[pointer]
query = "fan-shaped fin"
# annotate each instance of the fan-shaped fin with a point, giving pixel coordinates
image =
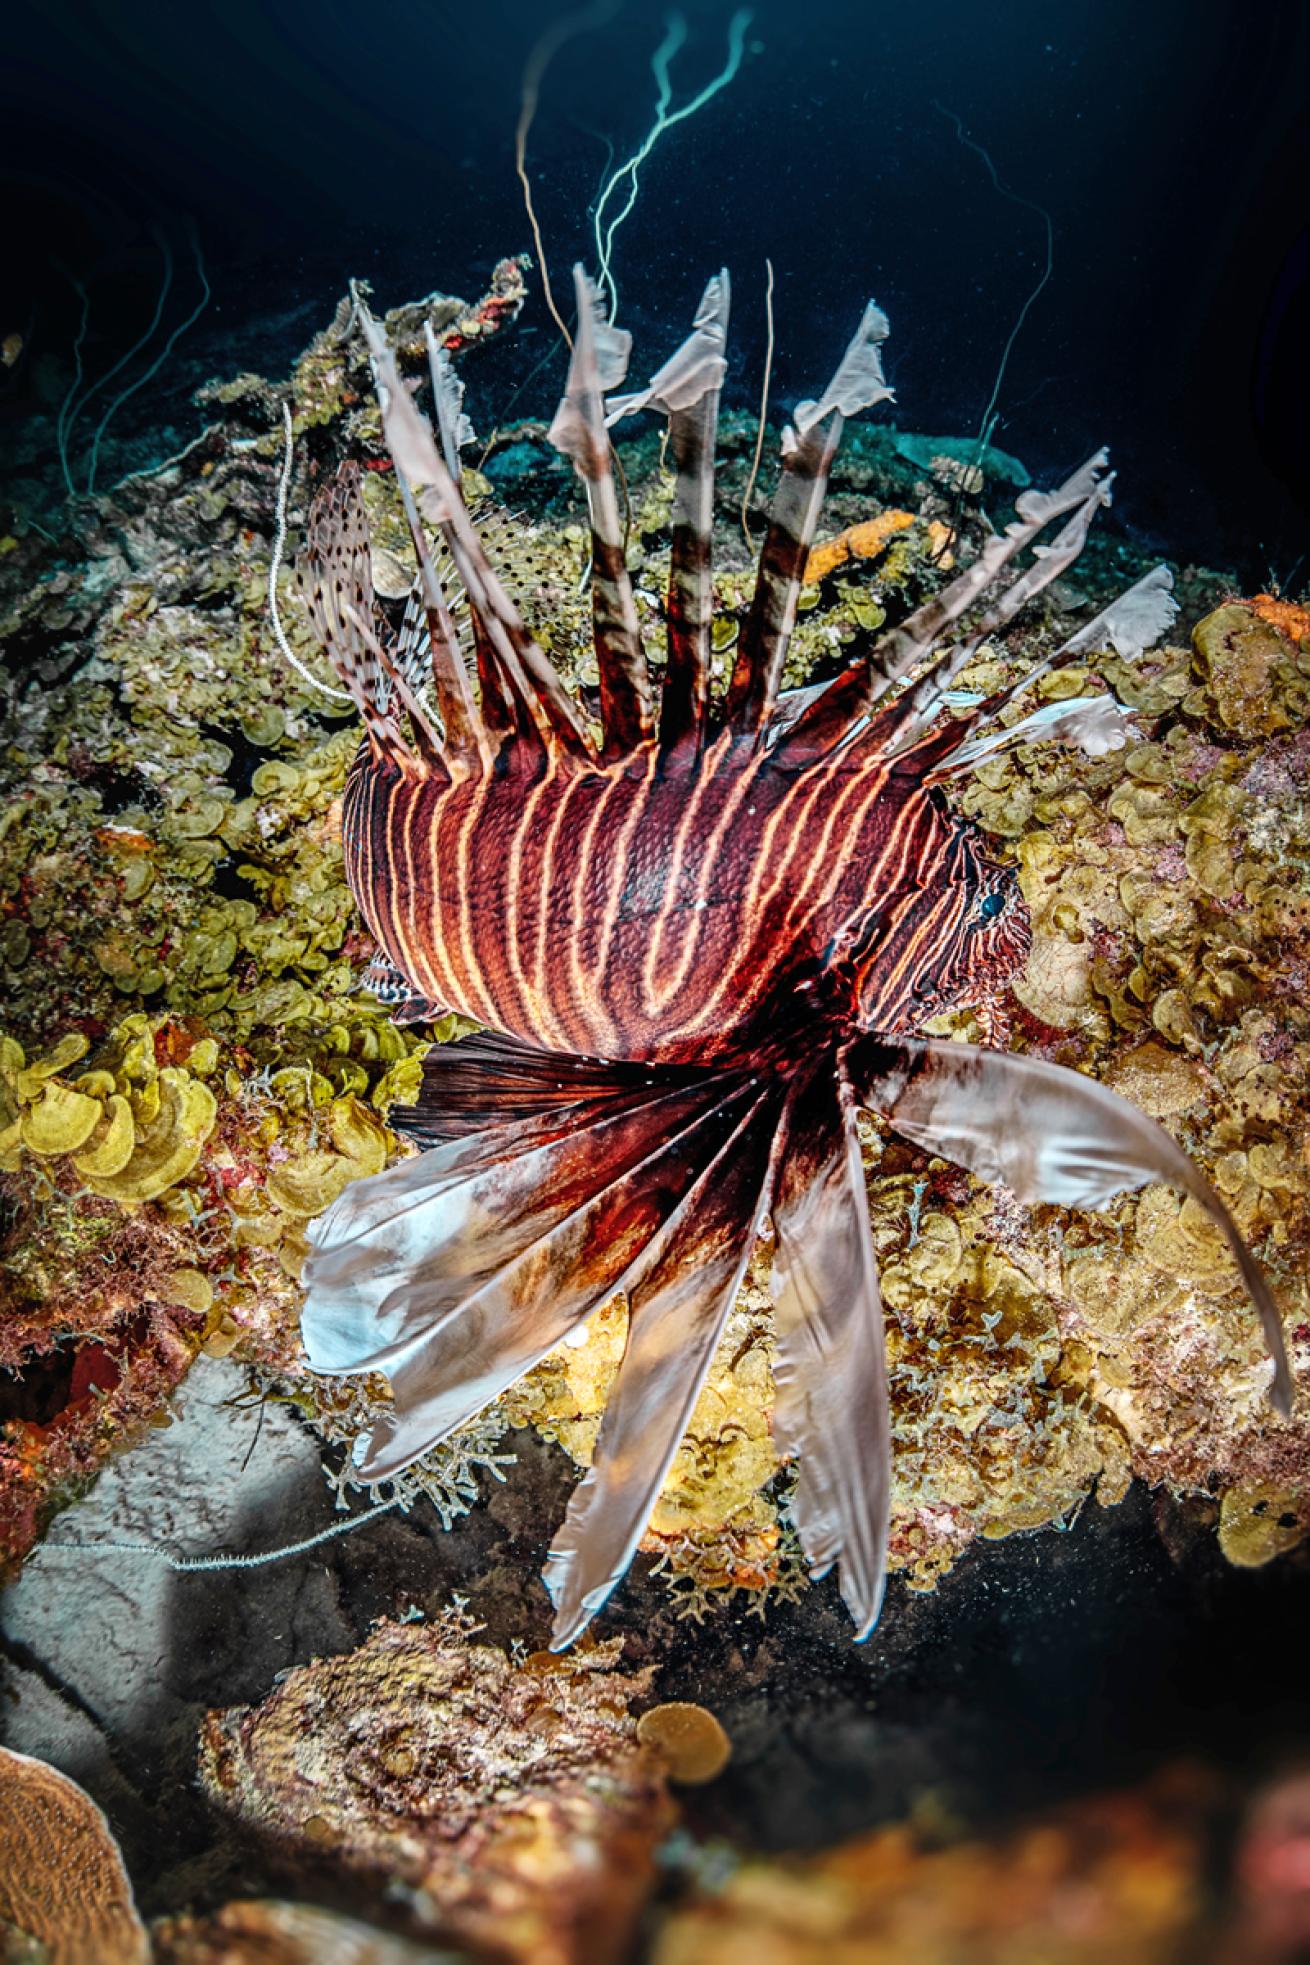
(455, 1272)
(335, 576)
(831, 1410)
(808, 451)
(686, 1282)
(1050, 1135)
(686, 389)
(599, 357)
(489, 1080)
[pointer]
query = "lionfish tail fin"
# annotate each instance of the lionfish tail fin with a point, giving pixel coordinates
(809, 447)
(599, 362)
(680, 1292)
(686, 390)
(831, 1409)
(1050, 1134)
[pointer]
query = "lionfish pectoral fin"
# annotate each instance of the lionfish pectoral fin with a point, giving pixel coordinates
(679, 1295)
(487, 1081)
(1049, 1134)
(831, 1410)
(458, 1270)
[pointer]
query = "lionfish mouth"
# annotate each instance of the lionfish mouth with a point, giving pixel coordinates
(559, 1171)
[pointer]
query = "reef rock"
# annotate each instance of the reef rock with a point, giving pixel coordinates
(509, 1806)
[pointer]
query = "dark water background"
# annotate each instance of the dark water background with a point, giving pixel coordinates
(306, 143)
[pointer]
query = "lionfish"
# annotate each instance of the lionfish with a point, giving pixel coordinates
(698, 936)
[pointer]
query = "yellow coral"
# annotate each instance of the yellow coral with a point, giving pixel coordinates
(864, 541)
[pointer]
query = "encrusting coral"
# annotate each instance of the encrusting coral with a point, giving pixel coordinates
(192, 1071)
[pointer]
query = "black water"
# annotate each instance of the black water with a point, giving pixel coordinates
(303, 144)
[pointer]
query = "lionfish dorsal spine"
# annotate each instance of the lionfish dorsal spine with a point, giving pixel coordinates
(900, 649)
(598, 361)
(422, 474)
(1133, 622)
(687, 391)
(809, 448)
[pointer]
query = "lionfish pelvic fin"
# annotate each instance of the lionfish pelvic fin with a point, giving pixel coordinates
(832, 1412)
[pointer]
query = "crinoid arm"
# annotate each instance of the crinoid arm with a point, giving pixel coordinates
(831, 1412)
(1049, 1134)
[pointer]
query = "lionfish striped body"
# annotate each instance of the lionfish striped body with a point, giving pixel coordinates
(637, 911)
(697, 946)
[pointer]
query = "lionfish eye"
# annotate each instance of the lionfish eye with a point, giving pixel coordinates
(990, 906)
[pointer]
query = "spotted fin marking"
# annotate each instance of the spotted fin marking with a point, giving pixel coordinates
(334, 574)
(397, 994)
(832, 1411)
(598, 363)
(1049, 1134)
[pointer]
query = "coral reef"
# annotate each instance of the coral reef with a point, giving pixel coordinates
(192, 1071)
(508, 1806)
